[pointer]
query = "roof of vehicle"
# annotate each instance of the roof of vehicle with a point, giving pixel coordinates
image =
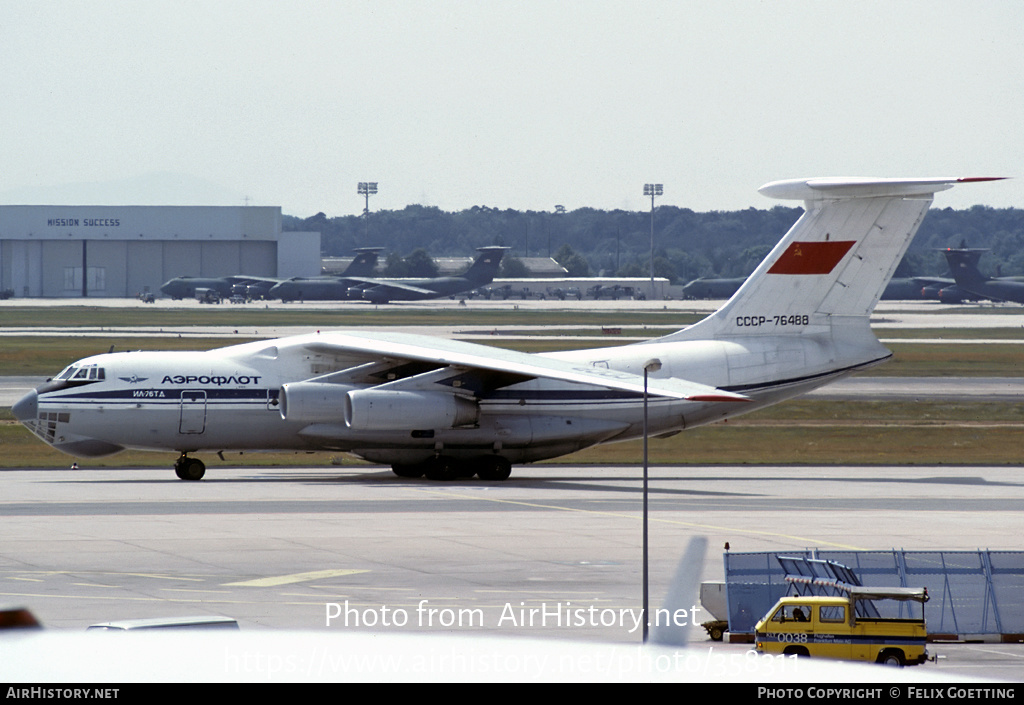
(201, 622)
(817, 599)
(868, 593)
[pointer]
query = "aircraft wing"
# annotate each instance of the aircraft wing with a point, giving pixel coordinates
(471, 356)
(392, 284)
(399, 287)
(244, 279)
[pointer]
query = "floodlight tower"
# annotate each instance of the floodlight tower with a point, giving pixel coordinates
(367, 189)
(652, 190)
(559, 211)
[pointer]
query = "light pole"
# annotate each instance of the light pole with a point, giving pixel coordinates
(652, 190)
(559, 210)
(367, 189)
(652, 365)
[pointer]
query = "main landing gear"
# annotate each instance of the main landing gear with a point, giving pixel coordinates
(187, 468)
(493, 468)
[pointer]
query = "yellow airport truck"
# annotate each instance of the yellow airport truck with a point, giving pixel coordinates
(845, 627)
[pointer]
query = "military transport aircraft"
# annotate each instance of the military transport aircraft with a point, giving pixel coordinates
(381, 291)
(898, 289)
(963, 263)
(185, 287)
(449, 409)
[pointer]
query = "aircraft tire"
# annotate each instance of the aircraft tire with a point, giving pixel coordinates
(493, 468)
(190, 469)
(442, 468)
(411, 471)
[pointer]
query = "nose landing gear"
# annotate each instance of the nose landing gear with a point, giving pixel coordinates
(187, 468)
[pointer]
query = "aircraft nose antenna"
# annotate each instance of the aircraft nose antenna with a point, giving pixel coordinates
(26, 408)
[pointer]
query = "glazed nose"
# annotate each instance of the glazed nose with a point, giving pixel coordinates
(26, 408)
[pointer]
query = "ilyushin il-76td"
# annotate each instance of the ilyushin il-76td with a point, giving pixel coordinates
(448, 409)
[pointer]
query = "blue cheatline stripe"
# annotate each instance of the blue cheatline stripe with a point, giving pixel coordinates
(151, 394)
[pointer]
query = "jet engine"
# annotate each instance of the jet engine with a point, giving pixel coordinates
(385, 410)
(313, 401)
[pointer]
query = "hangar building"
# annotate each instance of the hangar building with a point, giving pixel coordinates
(122, 251)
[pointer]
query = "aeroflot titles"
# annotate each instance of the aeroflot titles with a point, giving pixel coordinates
(87, 222)
(204, 379)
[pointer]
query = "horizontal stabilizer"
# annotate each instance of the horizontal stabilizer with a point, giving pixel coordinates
(860, 187)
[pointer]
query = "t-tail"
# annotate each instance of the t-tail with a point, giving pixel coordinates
(963, 263)
(485, 267)
(803, 317)
(834, 263)
(363, 264)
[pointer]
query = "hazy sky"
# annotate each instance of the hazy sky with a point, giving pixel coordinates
(521, 104)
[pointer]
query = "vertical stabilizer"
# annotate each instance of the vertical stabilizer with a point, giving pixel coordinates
(963, 264)
(363, 264)
(833, 264)
(485, 267)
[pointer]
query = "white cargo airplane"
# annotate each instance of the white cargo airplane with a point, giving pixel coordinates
(448, 409)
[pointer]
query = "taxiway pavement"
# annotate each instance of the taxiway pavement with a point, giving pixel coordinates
(280, 548)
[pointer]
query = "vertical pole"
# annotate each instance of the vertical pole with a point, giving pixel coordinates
(652, 243)
(646, 626)
(366, 218)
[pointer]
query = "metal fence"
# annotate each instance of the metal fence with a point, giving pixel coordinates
(974, 594)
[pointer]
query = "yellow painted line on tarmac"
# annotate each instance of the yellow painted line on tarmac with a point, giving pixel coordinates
(203, 599)
(634, 517)
(23, 575)
(294, 578)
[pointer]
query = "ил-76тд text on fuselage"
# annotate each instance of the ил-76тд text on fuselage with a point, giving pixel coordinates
(447, 409)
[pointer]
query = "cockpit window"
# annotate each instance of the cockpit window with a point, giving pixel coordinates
(90, 373)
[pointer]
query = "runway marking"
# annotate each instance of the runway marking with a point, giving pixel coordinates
(294, 578)
(998, 652)
(157, 576)
(95, 585)
(206, 599)
(755, 532)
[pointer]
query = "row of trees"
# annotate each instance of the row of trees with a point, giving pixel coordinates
(688, 244)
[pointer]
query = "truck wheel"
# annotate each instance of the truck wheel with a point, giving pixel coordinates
(715, 633)
(796, 651)
(891, 658)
